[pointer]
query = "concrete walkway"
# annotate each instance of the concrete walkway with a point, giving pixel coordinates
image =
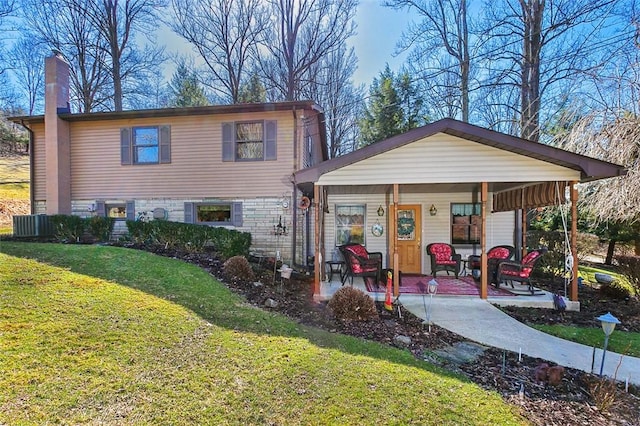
(479, 321)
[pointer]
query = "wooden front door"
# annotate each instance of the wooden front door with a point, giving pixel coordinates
(409, 241)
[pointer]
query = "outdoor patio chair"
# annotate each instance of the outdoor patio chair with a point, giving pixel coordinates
(495, 255)
(361, 263)
(444, 258)
(519, 271)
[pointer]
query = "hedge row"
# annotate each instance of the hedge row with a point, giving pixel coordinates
(194, 238)
(189, 237)
(74, 229)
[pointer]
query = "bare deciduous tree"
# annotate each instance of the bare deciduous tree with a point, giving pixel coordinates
(612, 137)
(64, 26)
(26, 59)
(342, 102)
(119, 22)
(224, 33)
(543, 42)
(441, 52)
(303, 32)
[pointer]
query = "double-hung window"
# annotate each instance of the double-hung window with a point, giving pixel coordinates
(145, 145)
(249, 141)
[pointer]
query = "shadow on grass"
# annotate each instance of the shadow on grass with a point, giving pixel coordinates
(193, 288)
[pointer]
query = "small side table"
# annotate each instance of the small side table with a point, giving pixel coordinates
(335, 266)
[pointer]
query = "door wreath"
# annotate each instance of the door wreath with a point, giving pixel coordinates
(406, 225)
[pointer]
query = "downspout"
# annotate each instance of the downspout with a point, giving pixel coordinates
(294, 192)
(32, 173)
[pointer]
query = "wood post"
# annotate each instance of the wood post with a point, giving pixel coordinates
(484, 291)
(574, 239)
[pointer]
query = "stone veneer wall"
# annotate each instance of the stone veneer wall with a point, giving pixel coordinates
(259, 217)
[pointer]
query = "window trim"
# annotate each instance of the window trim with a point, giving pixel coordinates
(349, 226)
(475, 209)
(128, 146)
(191, 213)
(237, 143)
(230, 143)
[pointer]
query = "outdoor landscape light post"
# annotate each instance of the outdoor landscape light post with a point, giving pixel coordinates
(608, 322)
(432, 289)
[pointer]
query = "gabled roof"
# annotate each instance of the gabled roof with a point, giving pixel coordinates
(589, 168)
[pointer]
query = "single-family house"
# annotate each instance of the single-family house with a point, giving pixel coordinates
(263, 168)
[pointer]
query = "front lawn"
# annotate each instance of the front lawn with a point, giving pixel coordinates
(93, 334)
(625, 343)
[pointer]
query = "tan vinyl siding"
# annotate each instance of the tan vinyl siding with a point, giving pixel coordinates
(196, 168)
(433, 159)
(39, 164)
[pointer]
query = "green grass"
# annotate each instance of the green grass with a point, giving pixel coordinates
(588, 273)
(107, 335)
(14, 191)
(622, 342)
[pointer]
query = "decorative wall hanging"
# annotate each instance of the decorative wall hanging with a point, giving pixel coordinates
(377, 229)
(304, 203)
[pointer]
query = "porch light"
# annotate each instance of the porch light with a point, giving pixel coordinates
(380, 211)
(608, 323)
(432, 210)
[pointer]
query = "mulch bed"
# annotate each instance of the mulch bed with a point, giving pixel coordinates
(569, 403)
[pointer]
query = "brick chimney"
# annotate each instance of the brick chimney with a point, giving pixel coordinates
(56, 134)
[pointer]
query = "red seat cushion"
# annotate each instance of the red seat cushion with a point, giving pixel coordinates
(356, 266)
(442, 253)
(530, 257)
(499, 253)
(359, 251)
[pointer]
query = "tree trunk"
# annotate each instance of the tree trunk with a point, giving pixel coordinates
(532, 11)
(610, 250)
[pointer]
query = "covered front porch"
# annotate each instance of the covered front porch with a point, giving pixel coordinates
(447, 182)
(518, 296)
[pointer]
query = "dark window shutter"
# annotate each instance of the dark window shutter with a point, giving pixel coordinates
(101, 209)
(188, 213)
(165, 144)
(227, 142)
(270, 137)
(125, 146)
(236, 211)
(131, 210)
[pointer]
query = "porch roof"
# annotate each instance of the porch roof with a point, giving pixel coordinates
(587, 168)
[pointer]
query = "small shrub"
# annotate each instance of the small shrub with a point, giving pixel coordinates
(349, 303)
(603, 391)
(616, 290)
(100, 228)
(238, 268)
(630, 267)
(586, 245)
(68, 228)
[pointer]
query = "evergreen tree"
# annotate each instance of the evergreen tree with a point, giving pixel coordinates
(253, 91)
(185, 88)
(394, 107)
